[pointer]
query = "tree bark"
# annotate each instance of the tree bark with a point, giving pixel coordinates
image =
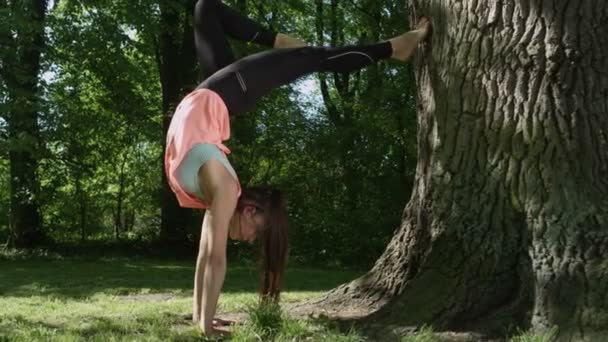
(119, 225)
(176, 62)
(80, 194)
(20, 67)
(507, 225)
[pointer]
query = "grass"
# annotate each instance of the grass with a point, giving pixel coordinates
(49, 298)
(546, 336)
(425, 334)
(268, 323)
(46, 298)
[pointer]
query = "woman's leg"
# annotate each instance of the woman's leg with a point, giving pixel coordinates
(214, 22)
(243, 82)
(240, 27)
(212, 48)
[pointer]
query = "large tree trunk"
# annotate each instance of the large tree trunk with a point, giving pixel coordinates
(20, 66)
(508, 221)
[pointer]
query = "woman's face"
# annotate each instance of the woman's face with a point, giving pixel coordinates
(251, 222)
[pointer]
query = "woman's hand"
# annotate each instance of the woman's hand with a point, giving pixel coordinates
(216, 331)
(222, 331)
(218, 322)
(224, 190)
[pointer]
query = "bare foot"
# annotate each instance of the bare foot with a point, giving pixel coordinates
(405, 44)
(285, 41)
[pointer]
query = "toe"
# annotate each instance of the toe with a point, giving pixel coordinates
(423, 21)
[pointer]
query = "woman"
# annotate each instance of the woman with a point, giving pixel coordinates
(195, 161)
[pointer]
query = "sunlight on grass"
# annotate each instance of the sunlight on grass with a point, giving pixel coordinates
(129, 300)
(70, 299)
(268, 323)
(529, 336)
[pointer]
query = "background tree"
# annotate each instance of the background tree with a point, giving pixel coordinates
(103, 118)
(371, 117)
(23, 40)
(176, 60)
(507, 222)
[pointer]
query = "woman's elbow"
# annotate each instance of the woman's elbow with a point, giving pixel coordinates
(216, 258)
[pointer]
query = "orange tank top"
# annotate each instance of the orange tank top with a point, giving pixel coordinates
(201, 117)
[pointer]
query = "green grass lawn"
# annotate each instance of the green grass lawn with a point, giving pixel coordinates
(139, 299)
(123, 299)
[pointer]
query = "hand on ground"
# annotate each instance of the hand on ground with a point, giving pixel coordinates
(222, 331)
(216, 332)
(218, 322)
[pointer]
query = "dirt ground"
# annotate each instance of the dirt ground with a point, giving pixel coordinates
(344, 316)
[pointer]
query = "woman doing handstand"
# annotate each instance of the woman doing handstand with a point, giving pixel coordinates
(195, 160)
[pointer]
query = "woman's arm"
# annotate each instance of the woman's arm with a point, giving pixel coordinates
(197, 297)
(223, 190)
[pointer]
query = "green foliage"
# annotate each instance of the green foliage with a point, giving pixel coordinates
(103, 129)
(346, 161)
(4, 198)
(12, 254)
(346, 182)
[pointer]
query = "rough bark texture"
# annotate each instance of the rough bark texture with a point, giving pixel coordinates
(508, 221)
(20, 68)
(176, 61)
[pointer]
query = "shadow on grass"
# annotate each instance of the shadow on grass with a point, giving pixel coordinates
(369, 328)
(78, 278)
(19, 328)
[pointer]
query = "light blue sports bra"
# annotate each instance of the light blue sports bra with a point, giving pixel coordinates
(197, 156)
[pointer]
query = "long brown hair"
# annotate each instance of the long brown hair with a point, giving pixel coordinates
(274, 240)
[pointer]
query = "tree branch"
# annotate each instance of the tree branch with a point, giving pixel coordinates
(362, 10)
(261, 13)
(6, 40)
(331, 108)
(188, 51)
(337, 39)
(2, 70)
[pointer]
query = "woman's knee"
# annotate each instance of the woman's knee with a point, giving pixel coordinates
(203, 6)
(311, 50)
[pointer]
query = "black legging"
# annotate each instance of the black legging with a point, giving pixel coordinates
(241, 83)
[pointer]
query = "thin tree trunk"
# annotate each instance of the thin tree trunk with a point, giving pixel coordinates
(507, 225)
(82, 206)
(118, 216)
